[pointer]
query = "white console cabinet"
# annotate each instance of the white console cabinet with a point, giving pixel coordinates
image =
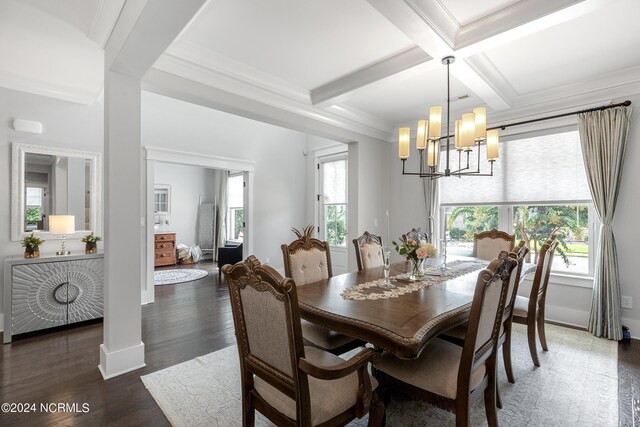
(51, 291)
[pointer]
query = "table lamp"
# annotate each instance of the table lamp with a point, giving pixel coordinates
(63, 225)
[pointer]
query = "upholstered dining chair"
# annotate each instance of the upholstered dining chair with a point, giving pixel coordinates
(457, 334)
(308, 260)
(488, 244)
(452, 377)
(530, 311)
(290, 384)
(368, 251)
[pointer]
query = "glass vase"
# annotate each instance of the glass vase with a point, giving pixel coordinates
(416, 269)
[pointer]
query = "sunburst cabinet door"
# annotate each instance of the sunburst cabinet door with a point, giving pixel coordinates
(49, 294)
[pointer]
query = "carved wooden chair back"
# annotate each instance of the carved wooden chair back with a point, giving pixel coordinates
(368, 251)
(518, 253)
(541, 277)
(488, 244)
(280, 377)
(267, 322)
(485, 319)
(306, 259)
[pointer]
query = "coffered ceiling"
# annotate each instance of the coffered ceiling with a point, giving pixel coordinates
(372, 65)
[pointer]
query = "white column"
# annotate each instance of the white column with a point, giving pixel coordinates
(123, 349)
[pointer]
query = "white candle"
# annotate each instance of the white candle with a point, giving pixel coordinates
(388, 242)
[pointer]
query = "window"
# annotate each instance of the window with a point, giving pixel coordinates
(34, 207)
(334, 201)
(463, 222)
(539, 188)
(162, 204)
(235, 212)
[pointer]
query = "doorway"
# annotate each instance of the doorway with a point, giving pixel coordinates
(333, 208)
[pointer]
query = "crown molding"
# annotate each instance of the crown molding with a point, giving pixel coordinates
(228, 70)
(523, 16)
(65, 93)
(203, 88)
(104, 21)
(484, 67)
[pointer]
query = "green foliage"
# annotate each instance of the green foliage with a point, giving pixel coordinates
(535, 224)
(238, 220)
(456, 233)
(32, 241)
(475, 220)
(336, 224)
(32, 215)
(91, 238)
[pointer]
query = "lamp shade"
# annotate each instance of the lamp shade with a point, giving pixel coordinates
(456, 135)
(62, 224)
(421, 135)
(492, 144)
(435, 122)
(404, 138)
(432, 153)
(467, 131)
(481, 123)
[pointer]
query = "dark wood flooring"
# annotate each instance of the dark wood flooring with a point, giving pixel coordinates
(187, 320)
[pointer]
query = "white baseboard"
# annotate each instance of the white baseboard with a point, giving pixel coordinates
(122, 361)
(566, 316)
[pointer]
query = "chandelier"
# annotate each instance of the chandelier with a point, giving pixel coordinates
(469, 132)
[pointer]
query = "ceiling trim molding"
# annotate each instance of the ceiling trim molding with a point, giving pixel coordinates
(197, 159)
(378, 71)
(104, 21)
(513, 16)
(48, 89)
(231, 70)
(360, 116)
(486, 69)
(211, 91)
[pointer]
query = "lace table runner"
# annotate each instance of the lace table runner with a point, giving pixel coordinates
(403, 285)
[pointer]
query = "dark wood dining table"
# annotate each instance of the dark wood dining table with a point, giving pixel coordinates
(403, 324)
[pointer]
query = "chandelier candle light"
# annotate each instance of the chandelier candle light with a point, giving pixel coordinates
(469, 132)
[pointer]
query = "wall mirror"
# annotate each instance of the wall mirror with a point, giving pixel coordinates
(54, 181)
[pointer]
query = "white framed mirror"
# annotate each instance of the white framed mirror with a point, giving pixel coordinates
(54, 181)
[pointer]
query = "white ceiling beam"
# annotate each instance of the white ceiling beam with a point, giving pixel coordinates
(263, 107)
(327, 94)
(421, 27)
(144, 30)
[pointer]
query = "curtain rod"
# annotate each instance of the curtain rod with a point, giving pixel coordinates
(557, 116)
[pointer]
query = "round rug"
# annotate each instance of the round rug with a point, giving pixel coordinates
(171, 277)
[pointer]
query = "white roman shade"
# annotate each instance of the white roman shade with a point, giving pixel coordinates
(546, 168)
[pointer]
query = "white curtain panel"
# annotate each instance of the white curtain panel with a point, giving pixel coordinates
(603, 137)
(431, 200)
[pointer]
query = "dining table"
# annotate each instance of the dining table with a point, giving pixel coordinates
(401, 319)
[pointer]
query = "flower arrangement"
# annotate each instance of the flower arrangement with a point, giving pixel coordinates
(32, 241)
(90, 238)
(414, 247)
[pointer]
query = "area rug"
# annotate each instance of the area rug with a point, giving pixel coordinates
(577, 385)
(171, 277)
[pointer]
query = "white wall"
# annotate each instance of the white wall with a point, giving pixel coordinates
(280, 165)
(65, 124)
(188, 185)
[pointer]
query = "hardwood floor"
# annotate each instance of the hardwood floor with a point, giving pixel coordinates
(187, 320)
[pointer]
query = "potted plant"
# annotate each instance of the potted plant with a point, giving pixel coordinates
(91, 243)
(32, 246)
